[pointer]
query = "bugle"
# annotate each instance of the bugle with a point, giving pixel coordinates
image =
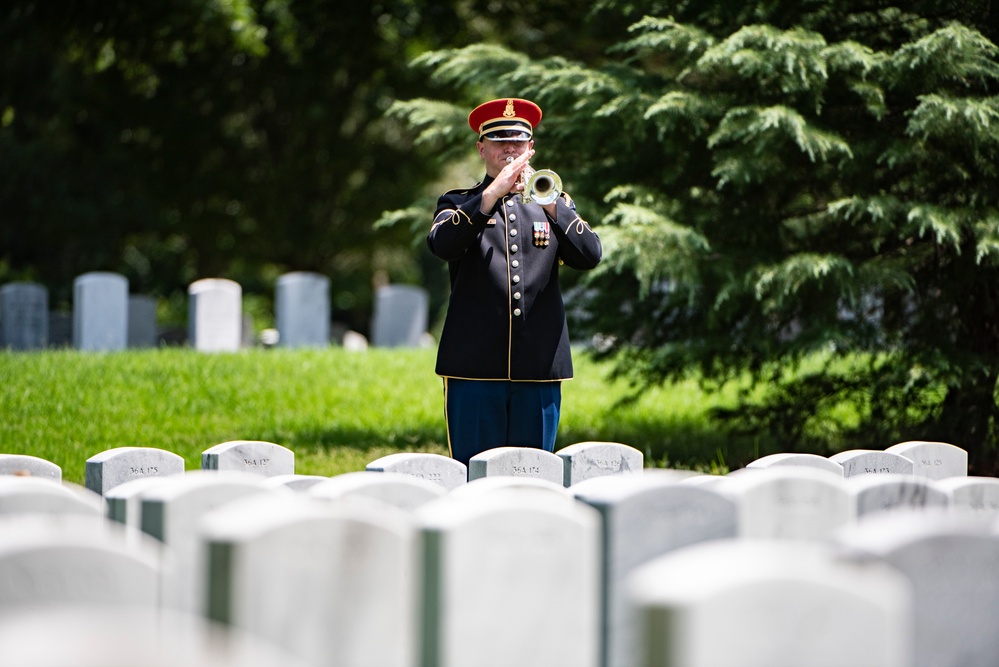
(542, 186)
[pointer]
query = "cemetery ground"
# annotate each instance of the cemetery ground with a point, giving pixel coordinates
(337, 410)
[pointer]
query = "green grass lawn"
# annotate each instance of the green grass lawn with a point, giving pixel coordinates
(337, 410)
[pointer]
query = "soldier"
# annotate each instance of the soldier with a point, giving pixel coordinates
(504, 349)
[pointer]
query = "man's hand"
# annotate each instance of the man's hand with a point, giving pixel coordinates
(506, 182)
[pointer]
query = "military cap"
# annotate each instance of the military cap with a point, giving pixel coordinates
(507, 119)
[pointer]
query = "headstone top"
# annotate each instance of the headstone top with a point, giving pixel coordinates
(443, 470)
(26, 465)
(396, 489)
(254, 456)
(118, 465)
(483, 485)
(518, 462)
(936, 460)
(973, 493)
(797, 459)
(872, 462)
(294, 481)
(585, 460)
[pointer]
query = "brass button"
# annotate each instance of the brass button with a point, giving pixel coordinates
(516, 295)
(516, 311)
(516, 279)
(515, 263)
(513, 248)
(513, 217)
(513, 232)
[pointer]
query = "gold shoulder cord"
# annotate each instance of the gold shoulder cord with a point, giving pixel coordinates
(452, 214)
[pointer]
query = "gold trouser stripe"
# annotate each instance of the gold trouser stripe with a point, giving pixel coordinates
(447, 425)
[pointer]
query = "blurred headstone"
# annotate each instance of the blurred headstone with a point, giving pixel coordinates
(24, 316)
(142, 331)
(400, 316)
(302, 309)
(100, 311)
(215, 315)
(443, 470)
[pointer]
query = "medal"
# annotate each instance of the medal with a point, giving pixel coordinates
(542, 234)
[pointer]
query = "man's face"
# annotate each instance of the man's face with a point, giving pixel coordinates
(495, 153)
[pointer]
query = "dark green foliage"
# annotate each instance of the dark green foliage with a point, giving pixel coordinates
(189, 139)
(782, 182)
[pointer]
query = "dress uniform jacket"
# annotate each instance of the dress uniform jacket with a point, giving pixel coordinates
(505, 318)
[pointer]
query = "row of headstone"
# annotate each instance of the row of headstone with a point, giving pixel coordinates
(626, 567)
(567, 467)
(620, 569)
(105, 317)
(114, 467)
(932, 460)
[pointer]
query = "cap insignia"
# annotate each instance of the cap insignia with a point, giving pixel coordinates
(509, 112)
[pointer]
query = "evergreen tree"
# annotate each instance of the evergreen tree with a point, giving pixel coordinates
(802, 193)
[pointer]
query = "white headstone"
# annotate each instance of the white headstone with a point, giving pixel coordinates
(124, 502)
(872, 462)
(645, 517)
(585, 460)
(936, 460)
(142, 331)
(511, 578)
(215, 315)
(795, 459)
(400, 316)
(401, 491)
(517, 462)
(51, 561)
(302, 309)
(707, 481)
(790, 502)
(33, 466)
(443, 470)
(100, 311)
(950, 560)
(171, 512)
(116, 636)
(116, 466)
(764, 603)
(255, 456)
(37, 495)
(506, 483)
(886, 492)
(24, 316)
(333, 583)
(294, 482)
(973, 493)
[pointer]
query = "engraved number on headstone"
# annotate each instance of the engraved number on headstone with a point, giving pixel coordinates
(256, 462)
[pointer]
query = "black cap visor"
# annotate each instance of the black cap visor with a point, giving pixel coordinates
(507, 135)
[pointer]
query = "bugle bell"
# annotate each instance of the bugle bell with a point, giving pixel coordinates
(542, 186)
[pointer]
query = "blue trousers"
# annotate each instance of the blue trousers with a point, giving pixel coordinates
(485, 414)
